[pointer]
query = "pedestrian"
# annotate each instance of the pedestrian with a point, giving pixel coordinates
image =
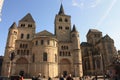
(61, 77)
(39, 76)
(69, 77)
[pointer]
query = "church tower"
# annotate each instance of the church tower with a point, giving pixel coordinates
(62, 25)
(26, 28)
(10, 47)
(77, 57)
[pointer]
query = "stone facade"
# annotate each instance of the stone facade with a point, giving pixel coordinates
(97, 53)
(43, 52)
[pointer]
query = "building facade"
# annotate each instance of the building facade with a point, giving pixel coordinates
(43, 52)
(97, 53)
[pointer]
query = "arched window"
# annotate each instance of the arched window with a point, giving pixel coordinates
(44, 56)
(28, 36)
(60, 19)
(66, 20)
(22, 35)
(42, 42)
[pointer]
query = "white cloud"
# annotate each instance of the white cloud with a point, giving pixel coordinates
(74, 3)
(106, 13)
(95, 3)
(84, 3)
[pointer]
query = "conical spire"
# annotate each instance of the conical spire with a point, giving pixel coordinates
(27, 18)
(61, 11)
(74, 28)
(13, 26)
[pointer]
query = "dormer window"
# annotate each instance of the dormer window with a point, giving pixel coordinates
(22, 25)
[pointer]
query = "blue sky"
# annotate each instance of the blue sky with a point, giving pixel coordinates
(103, 15)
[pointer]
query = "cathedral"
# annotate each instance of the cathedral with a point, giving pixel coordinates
(97, 53)
(50, 54)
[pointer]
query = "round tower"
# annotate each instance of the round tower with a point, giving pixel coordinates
(45, 55)
(10, 47)
(77, 57)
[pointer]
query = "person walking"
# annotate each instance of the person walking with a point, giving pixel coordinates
(69, 77)
(61, 77)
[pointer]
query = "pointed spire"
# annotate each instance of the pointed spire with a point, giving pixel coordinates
(61, 11)
(13, 26)
(74, 28)
(27, 18)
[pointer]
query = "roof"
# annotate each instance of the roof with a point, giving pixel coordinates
(94, 31)
(61, 11)
(27, 18)
(74, 29)
(13, 26)
(86, 44)
(44, 33)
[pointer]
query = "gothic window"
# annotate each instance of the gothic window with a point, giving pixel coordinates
(28, 36)
(60, 19)
(42, 42)
(98, 64)
(44, 56)
(22, 35)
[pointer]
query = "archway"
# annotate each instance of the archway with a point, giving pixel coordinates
(65, 67)
(22, 65)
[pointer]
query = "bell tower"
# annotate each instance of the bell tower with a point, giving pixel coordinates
(62, 25)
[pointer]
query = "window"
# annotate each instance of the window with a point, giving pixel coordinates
(36, 43)
(28, 36)
(33, 58)
(60, 27)
(67, 28)
(42, 42)
(18, 52)
(29, 25)
(22, 25)
(44, 56)
(27, 52)
(60, 19)
(20, 45)
(66, 20)
(48, 42)
(22, 36)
